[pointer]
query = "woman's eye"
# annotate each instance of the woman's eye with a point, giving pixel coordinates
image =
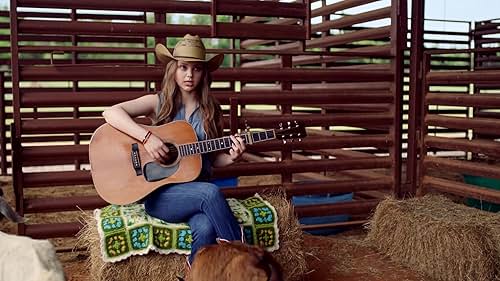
(197, 69)
(183, 67)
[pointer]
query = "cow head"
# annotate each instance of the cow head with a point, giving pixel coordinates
(234, 261)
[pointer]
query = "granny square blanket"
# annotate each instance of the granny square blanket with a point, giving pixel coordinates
(127, 230)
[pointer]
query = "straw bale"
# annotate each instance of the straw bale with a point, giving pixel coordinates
(437, 237)
(156, 267)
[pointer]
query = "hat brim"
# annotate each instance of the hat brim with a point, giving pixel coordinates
(165, 56)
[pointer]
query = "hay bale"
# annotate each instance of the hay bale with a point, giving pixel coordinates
(442, 239)
(154, 266)
(290, 255)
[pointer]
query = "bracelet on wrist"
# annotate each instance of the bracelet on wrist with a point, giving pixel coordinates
(146, 137)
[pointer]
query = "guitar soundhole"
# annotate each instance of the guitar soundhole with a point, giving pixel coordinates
(173, 154)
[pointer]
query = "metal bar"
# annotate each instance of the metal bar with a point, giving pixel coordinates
(81, 99)
(463, 77)
(356, 207)
(459, 99)
(110, 28)
(264, 31)
(304, 166)
(17, 177)
(415, 95)
(347, 21)
(62, 204)
(334, 224)
(338, 6)
(399, 33)
(224, 30)
(462, 166)
(488, 126)
(233, 115)
(53, 230)
(81, 16)
(307, 20)
(378, 51)
(286, 109)
(145, 73)
(307, 188)
(461, 51)
(3, 129)
(421, 149)
(462, 189)
(372, 33)
(213, 15)
(488, 147)
(249, 8)
(83, 49)
(304, 188)
(190, 7)
(342, 119)
(44, 179)
(261, 8)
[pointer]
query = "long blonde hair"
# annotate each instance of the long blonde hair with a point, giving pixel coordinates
(172, 100)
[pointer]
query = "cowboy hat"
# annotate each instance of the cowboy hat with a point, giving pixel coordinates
(189, 48)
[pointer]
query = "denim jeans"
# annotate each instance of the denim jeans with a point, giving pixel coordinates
(201, 205)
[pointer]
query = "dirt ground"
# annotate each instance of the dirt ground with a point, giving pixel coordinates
(343, 257)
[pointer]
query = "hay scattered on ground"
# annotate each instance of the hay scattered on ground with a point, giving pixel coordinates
(442, 239)
(156, 267)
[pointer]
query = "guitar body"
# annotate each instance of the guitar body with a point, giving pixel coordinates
(112, 167)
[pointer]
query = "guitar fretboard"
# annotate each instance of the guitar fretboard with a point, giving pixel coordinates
(211, 145)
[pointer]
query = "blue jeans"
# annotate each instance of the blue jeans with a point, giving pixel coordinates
(201, 205)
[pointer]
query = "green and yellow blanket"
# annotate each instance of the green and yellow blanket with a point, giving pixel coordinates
(127, 230)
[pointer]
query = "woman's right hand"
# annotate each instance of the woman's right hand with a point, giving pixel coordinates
(156, 148)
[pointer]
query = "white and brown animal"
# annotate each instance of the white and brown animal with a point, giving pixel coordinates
(26, 259)
(234, 261)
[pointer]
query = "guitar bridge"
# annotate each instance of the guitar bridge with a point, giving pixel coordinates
(136, 159)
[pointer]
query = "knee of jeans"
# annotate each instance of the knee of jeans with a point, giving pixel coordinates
(212, 192)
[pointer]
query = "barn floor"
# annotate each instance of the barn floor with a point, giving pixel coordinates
(347, 258)
(343, 257)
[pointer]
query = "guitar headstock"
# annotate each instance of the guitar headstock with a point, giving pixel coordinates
(290, 130)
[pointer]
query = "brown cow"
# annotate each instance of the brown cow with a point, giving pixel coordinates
(234, 261)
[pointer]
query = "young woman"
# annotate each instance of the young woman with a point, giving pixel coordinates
(185, 96)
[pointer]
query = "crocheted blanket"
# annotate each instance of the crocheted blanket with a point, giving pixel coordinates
(128, 230)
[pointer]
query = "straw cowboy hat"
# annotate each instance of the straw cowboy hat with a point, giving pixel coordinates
(189, 48)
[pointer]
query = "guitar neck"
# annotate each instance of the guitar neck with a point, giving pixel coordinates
(212, 145)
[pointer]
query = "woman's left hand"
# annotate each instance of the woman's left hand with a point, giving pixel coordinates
(237, 147)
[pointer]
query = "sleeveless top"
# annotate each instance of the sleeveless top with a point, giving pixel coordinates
(196, 121)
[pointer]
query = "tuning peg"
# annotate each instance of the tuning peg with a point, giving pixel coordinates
(281, 125)
(284, 141)
(300, 140)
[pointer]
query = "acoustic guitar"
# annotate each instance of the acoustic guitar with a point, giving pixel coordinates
(123, 172)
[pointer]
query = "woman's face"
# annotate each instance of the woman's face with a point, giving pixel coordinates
(188, 75)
